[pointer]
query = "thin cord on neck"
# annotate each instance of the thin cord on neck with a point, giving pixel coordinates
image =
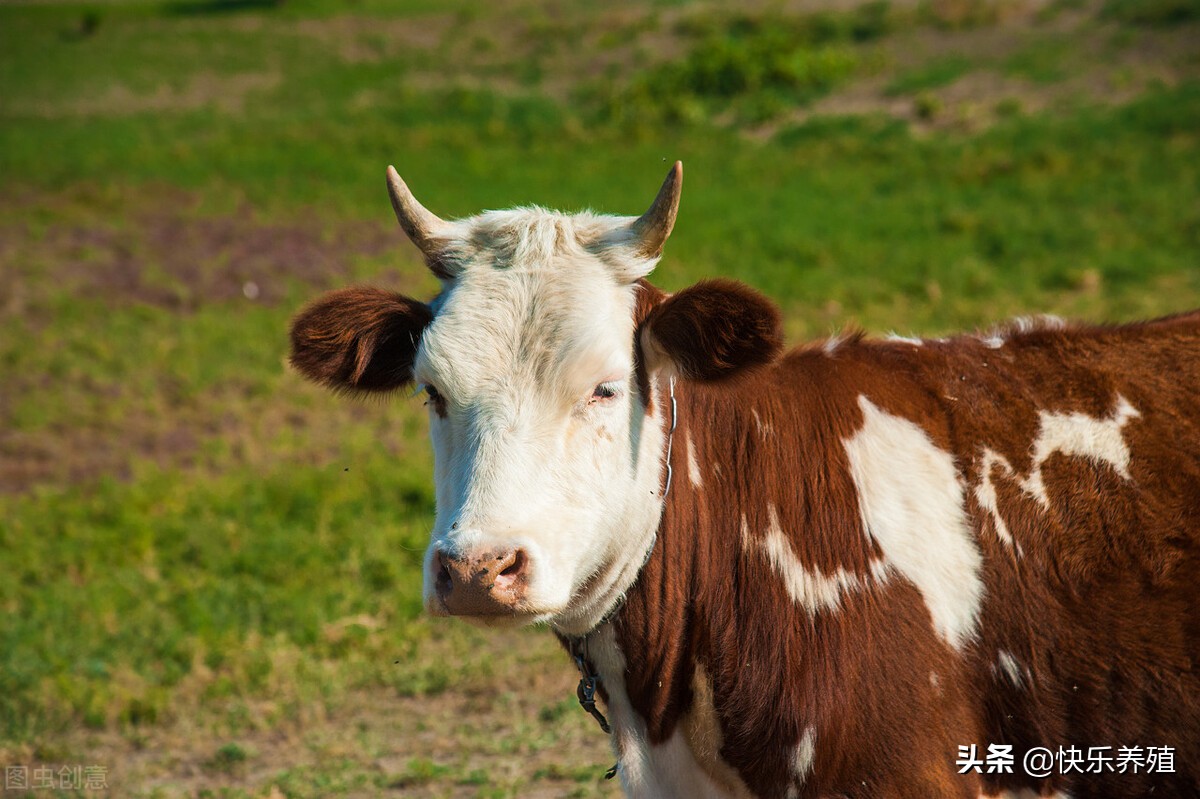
(670, 438)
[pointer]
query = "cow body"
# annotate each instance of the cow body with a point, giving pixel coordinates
(876, 552)
(831, 572)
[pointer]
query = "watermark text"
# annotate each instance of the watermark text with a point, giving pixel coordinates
(1041, 761)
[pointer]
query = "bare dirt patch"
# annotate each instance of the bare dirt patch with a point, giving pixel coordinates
(359, 39)
(227, 93)
(1090, 62)
(160, 251)
(60, 456)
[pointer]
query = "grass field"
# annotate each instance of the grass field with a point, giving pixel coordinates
(211, 569)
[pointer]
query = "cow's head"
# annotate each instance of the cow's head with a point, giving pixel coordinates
(541, 362)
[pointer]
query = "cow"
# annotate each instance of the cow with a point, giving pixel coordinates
(962, 567)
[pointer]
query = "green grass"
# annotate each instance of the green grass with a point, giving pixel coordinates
(147, 580)
(256, 578)
(1043, 61)
(931, 75)
(754, 65)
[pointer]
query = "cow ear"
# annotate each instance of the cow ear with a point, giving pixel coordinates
(711, 331)
(359, 339)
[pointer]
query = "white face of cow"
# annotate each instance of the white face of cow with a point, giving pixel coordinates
(547, 468)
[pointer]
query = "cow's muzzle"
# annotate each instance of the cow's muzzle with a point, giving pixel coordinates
(491, 583)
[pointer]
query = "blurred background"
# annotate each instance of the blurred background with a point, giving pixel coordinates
(210, 569)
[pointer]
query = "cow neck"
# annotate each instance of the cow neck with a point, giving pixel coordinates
(577, 646)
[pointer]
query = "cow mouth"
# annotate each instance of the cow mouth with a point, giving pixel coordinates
(489, 616)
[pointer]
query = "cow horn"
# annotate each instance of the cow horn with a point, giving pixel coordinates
(421, 224)
(652, 228)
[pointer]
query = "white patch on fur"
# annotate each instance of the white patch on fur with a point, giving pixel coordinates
(808, 587)
(676, 773)
(763, 428)
(1083, 436)
(985, 493)
(935, 681)
(802, 758)
(911, 501)
(1075, 434)
(701, 732)
(629, 729)
(693, 465)
(896, 337)
(993, 342)
(1007, 664)
(647, 772)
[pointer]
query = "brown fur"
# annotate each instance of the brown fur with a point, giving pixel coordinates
(1102, 607)
(716, 328)
(359, 339)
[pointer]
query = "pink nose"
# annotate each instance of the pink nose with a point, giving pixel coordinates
(491, 583)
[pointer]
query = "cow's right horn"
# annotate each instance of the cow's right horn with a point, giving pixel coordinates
(421, 224)
(652, 228)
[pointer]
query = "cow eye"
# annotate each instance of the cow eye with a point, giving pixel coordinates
(605, 391)
(435, 400)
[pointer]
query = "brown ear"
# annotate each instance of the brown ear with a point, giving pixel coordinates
(711, 331)
(359, 339)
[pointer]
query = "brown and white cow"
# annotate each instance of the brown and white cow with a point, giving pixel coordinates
(825, 572)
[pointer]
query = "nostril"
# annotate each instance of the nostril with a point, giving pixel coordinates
(510, 578)
(442, 579)
(516, 566)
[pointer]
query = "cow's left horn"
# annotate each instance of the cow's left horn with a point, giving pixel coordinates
(653, 227)
(421, 224)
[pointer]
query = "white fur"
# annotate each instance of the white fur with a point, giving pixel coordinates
(540, 311)
(764, 428)
(693, 464)
(671, 768)
(1083, 436)
(1028, 324)
(808, 587)
(831, 344)
(629, 729)
(701, 732)
(1075, 434)
(676, 773)
(993, 341)
(911, 501)
(802, 762)
(997, 338)
(985, 493)
(802, 758)
(1008, 665)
